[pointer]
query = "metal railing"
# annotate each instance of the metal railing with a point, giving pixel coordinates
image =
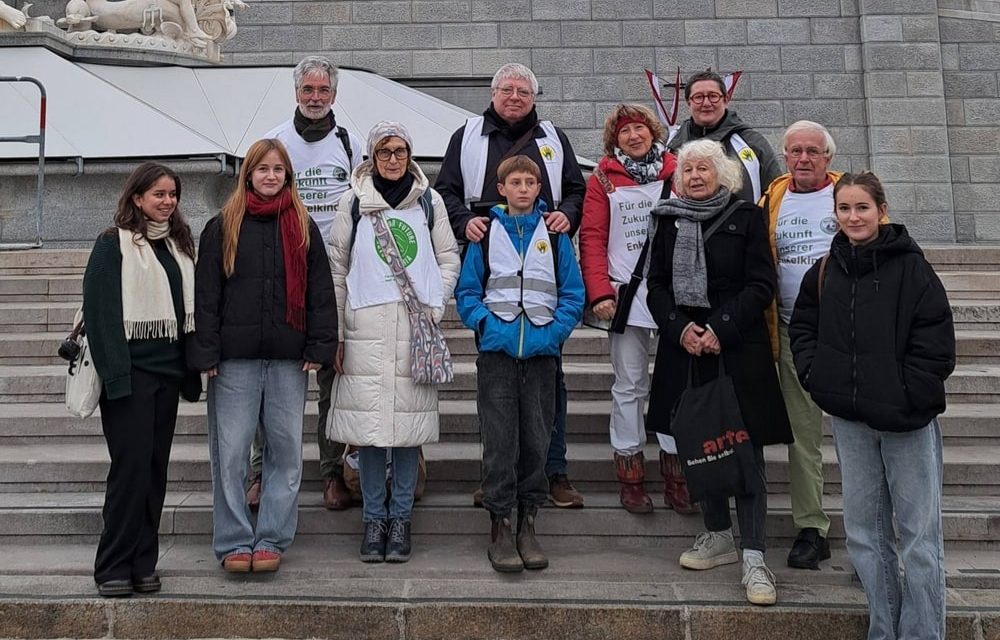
(38, 139)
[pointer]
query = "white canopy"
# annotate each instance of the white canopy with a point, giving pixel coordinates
(108, 111)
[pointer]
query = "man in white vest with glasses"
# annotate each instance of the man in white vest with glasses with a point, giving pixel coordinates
(468, 184)
(711, 118)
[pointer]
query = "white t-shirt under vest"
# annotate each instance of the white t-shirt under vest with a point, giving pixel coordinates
(805, 227)
(517, 284)
(475, 153)
(322, 172)
(629, 208)
(369, 279)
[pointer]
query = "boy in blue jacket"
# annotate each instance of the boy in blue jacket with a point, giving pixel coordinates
(522, 293)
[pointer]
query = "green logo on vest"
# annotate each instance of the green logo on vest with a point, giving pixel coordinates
(406, 242)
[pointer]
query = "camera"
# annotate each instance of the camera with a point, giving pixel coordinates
(69, 349)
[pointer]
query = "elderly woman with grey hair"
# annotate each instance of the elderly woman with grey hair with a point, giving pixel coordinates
(378, 407)
(708, 293)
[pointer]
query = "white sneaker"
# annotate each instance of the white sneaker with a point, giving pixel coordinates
(759, 582)
(711, 549)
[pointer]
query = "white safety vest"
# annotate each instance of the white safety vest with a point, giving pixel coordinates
(629, 208)
(517, 284)
(475, 150)
(750, 162)
(369, 279)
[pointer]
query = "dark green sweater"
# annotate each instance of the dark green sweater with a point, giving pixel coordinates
(114, 356)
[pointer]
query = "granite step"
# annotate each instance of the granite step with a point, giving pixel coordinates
(970, 522)
(972, 470)
(36, 423)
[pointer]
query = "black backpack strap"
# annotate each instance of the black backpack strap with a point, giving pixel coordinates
(345, 140)
(426, 203)
(355, 218)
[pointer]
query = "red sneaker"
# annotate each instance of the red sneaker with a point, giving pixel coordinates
(237, 562)
(264, 560)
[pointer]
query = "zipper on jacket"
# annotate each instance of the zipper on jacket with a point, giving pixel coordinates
(520, 279)
(854, 345)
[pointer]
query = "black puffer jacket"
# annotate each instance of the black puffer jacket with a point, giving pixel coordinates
(880, 346)
(243, 316)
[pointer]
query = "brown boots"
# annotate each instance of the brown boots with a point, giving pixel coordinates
(631, 471)
(527, 545)
(675, 490)
(509, 553)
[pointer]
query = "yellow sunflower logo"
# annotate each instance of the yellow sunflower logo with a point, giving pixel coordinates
(542, 246)
(746, 155)
(547, 152)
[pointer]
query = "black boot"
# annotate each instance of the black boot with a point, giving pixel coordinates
(502, 552)
(373, 544)
(527, 545)
(397, 549)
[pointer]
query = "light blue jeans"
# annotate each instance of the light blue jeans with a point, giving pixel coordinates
(888, 474)
(405, 462)
(273, 393)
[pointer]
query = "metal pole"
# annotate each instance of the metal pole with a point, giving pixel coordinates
(40, 141)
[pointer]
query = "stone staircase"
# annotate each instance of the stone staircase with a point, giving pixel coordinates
(52, 470)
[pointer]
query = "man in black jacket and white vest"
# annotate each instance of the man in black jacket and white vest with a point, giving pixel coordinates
(468, 184)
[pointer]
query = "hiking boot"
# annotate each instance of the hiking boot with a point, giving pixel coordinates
(502, 552)
(759, 582)
(336, 495)
(675, 489)
(527, 545)
(397, 548)
(711, 549)
(477, 497)
(265, 561)
(809, 549)
(563, 494)
(253, 491)
(373, 544)
(631, 472)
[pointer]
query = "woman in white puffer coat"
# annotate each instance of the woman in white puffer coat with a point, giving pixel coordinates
(377, 407)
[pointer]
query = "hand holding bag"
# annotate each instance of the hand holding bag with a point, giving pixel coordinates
(430, 359)
(713, 445)
(83, 385)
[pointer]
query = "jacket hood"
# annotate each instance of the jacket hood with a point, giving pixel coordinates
(521, 222)
(729, 124)
(892, 240)
(371, 200)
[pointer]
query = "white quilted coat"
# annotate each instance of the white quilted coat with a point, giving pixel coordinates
(375, 402)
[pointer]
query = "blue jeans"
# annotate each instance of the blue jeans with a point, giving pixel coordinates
(556, 462)
(888, 474)
(272, 392)
(405, 465)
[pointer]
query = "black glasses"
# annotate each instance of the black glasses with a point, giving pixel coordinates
(401, 153)
(713, 98)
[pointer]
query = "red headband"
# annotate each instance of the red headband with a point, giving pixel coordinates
(624, 120)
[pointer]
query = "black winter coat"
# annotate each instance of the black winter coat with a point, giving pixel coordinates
(880, 346)
(741, 286)
(243, 316)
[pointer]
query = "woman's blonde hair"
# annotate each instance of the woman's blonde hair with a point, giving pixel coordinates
(637, 111)
(728, 170)
(236, 206)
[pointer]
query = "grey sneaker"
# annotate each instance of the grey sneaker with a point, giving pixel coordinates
(759, 581)
(711, 549)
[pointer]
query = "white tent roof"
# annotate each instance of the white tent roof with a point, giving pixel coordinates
(105, 111)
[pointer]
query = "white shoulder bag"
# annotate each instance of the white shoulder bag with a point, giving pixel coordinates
(83, 385)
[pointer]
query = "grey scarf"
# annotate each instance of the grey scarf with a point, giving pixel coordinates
(690, 276)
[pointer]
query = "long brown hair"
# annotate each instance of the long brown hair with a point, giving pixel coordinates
(129, 216)
(235, 208)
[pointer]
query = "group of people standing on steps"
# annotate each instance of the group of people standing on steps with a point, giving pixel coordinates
(338, 257)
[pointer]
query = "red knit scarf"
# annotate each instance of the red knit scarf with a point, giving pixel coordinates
(293, 250)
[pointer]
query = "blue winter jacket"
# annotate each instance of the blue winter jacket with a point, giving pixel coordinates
(520, 339)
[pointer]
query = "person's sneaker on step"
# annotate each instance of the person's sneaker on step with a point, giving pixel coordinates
(758, 579)
(810, 548)
(563, 494)
(711, 549)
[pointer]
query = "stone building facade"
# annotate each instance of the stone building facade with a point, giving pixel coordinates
(909, 88)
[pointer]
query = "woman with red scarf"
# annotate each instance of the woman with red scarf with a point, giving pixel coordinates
(265, 316)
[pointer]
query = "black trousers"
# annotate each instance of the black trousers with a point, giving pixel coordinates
(751, 511)
(139, 429)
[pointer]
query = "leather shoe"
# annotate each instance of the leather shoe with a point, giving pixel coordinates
(148, 584)
(336, 496)
(253, 491)
(809, 549)
(119, 588)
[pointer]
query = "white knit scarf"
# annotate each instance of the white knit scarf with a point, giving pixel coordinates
(147, 306)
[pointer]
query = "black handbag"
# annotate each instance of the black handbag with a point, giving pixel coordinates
(713, 445)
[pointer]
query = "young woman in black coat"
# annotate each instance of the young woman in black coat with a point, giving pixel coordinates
(873, 341)
(708, 298)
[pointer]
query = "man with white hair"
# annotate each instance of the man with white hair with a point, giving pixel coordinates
(323, 156)
(801, 224)
(468, 184)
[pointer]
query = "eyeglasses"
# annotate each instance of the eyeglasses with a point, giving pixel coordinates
(322, 92)
(810, 152)
(401, 153)
(508, 91)
(699, 98)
